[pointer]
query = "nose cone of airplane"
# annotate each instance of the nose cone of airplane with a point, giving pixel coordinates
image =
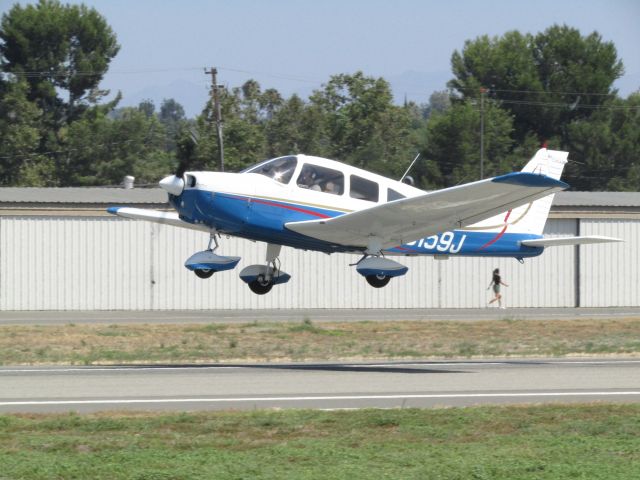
(172, 184)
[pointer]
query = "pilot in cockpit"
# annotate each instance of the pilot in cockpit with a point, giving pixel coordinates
(308, 179)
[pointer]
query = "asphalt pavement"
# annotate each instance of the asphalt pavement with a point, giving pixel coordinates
(316, 315)
(318, 385)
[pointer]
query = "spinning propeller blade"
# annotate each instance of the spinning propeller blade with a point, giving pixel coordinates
(174, 184)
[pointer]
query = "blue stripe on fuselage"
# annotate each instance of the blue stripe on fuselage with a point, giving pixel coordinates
(465, 243)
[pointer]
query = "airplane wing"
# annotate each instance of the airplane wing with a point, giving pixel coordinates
(157, 216)
(409, 219)
(553, 242)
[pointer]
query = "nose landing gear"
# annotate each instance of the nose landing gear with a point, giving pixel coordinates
(204, 264)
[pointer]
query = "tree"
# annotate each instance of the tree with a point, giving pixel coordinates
(606, 149)
(173, 118)
(57, 47)
(546, 81)
(147, 107)
(438, 103)
(296, 127)
(100, 150)
(19, 122)
(452, 147)
(361, 125)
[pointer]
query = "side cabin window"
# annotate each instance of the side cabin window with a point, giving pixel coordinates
(364, 189)
(393, 195)
(321, 179)
(280, 169)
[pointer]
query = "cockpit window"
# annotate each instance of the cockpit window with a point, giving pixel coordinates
(393, 195)
(321, 179)
(363, 189)
(280, 169)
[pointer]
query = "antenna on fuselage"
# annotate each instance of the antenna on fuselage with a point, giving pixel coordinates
(410, 166)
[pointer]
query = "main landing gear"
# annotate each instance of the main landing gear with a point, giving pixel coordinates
(260, 278)
(378, 281)
(379, 270)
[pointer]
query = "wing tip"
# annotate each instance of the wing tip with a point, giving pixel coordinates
(528, 179)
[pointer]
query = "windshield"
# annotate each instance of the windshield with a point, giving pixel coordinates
(280, 169)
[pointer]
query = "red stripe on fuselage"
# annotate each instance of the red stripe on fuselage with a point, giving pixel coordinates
(497, 237)
(281, 205)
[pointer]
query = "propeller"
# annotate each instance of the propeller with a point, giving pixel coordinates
(174, 184)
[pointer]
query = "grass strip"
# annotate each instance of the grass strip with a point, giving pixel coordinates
(309, 341)
(597, 441)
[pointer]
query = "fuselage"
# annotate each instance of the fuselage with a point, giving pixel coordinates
(258, 202)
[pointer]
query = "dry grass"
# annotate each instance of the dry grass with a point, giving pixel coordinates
(90, 344)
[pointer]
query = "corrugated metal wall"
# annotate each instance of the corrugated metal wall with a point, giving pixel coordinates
(610, 276)
(104, 263)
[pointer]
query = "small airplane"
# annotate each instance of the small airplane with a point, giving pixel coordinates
(314, 203)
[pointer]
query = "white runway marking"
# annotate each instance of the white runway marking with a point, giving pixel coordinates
(319, 397)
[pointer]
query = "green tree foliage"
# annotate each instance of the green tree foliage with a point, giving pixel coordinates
(57, 47)
(18, 130)
(554, 86)
(546, 80)
(558, 85)
(361, 125)
(100, 150)
(609, 143)
(452, 155)
(172, 116)
(438, 102)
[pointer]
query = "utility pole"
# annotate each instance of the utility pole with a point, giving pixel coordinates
(216, 108)
(483, 91)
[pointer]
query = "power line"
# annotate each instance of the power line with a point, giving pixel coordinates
(540, 92)
(570, 105)
(49, 73)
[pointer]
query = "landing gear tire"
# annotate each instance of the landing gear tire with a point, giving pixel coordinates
(260, 287)
(204, 272)
(377, 281)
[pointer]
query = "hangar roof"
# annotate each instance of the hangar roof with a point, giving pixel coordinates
(597, 199)
(93, 201)
(97, 195)
(82, 195)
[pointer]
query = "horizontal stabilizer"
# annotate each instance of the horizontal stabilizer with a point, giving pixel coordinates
(408, 219)
(156, 216)
(554, 242)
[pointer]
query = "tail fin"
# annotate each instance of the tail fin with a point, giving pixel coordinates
(530, 218)
(547, 162)
(534, 215)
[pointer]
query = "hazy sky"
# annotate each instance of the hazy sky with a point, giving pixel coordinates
(295, 45)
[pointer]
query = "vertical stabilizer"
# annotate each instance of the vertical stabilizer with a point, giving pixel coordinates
(530, 218)
(545, 162)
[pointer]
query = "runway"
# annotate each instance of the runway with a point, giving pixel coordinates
(316, 315)
(319, 385)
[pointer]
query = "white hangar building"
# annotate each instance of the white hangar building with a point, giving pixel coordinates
(60, 250)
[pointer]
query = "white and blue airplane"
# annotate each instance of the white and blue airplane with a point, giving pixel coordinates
(313, 203)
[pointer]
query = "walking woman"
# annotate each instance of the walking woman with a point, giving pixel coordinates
(496, 281)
